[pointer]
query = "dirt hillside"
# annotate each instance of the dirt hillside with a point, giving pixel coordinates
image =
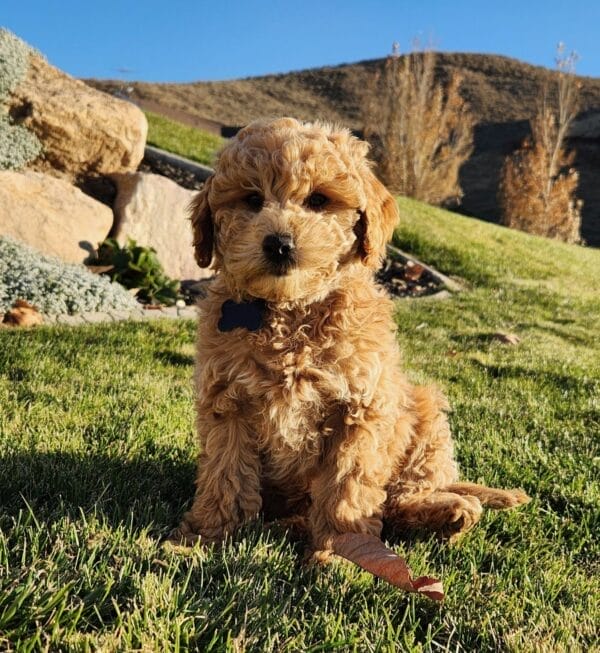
(502, 93)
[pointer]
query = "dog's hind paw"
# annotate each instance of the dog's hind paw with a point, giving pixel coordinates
(517, 498)
(319, 558)
(462, 515)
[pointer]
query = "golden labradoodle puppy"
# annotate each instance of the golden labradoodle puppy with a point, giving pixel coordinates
(301, 401)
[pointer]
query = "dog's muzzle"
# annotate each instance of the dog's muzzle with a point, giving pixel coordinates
(280, 252)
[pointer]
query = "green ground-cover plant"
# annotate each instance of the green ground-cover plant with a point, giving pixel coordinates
(186, 141)
(138, 268)
(97, 461)
(18, 146)
(14, 61)
(53, 286)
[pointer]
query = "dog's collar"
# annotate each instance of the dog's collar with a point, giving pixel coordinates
(247, 315)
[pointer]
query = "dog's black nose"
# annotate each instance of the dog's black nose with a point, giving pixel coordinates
(279, 249)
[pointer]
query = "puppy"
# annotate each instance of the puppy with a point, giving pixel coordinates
(301, 401)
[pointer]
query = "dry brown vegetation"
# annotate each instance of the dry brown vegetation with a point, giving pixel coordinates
(498, 89)
(502, 94)
(421, 128)
(538, 184)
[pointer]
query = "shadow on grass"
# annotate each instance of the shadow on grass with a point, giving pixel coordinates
(561, 381)
(174, 358)
(138, 492)
(485, 339)
(475, 341)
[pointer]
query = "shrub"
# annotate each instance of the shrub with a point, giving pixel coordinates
(53, 286)
(18, 146)
(14, 61)
(137, 267)
(538, 183)
(422, 129)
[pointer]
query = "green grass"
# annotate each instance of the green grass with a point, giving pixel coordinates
(175, 137)
(97, 462)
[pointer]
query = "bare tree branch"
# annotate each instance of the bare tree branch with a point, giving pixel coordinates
(538, 183)
(421, 128)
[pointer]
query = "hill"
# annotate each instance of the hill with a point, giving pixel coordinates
(502, 93)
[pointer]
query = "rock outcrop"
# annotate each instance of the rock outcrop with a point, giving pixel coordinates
(51, 215)
(83, 131)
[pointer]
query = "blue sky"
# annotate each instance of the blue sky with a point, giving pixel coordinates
(176, 40)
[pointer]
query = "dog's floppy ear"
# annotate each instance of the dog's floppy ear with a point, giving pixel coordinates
(376, 223)
(202, 226)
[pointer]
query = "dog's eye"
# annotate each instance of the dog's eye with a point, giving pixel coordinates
(316, 201)
(254, 201)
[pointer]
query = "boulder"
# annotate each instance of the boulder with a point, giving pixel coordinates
(51, 215)
(153, 210)
(83, 131)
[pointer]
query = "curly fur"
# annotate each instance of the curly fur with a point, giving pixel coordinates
(312, 409)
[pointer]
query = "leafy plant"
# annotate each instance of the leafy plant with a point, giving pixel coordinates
(137, 267)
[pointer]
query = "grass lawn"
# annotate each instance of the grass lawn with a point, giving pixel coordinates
(97, 461)
(181, 139)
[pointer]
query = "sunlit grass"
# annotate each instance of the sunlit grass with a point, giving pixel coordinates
(186, 141)
(97, 457)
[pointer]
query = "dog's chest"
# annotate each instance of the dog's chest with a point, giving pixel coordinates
(301, 388)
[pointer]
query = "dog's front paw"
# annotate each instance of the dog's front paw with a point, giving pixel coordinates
(185, 536)
(182, 536)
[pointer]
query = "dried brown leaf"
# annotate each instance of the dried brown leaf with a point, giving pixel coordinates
(22, 314)
(372, 555)
(413, 271)
(100, 269)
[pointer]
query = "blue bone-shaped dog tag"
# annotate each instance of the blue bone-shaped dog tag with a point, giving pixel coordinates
(247, 315)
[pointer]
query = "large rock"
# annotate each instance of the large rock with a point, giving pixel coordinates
(51, 215)
(153, 210)
(82, 130)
